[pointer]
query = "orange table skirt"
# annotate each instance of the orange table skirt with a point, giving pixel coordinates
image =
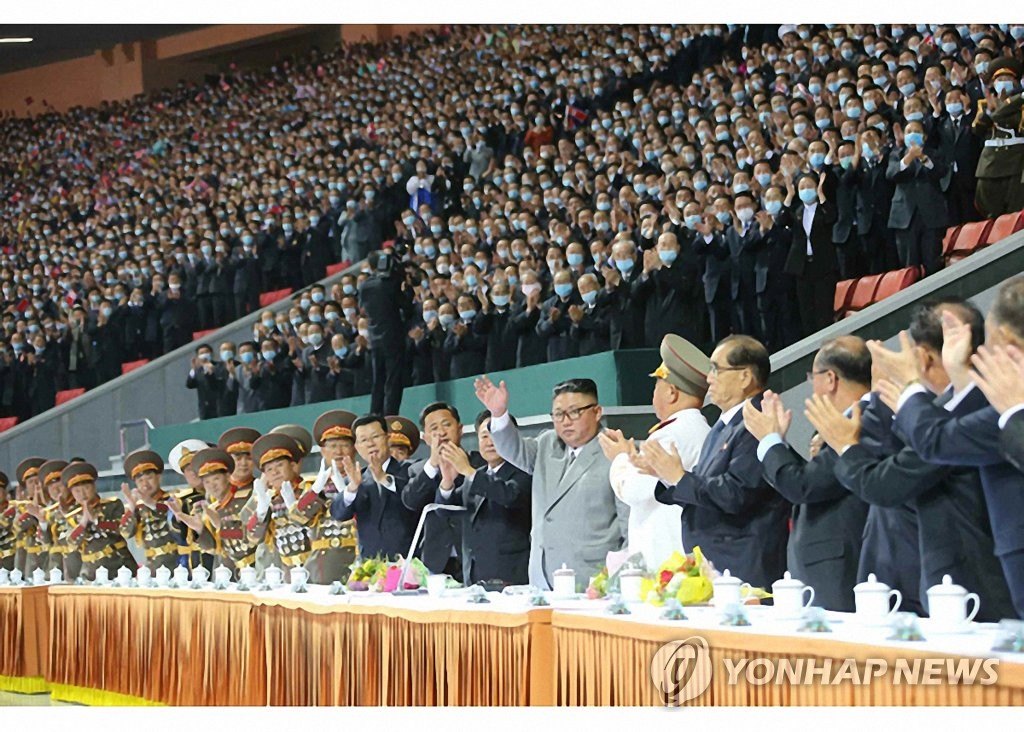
(607, 662)
(24, 639)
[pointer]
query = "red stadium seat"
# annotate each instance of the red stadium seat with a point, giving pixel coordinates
(1004, 226)
(130, 366)
(67, 395)
(844, 291)
(864, 292)
(202, 333)
(893, 282)
(333, 269)
(949, 239)
(269, 298)
(7, 422)
(970, 239)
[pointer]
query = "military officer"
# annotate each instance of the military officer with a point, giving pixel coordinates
(147, 513)
(55, 521)
(237, 442)
(180, 461)
(334, 542)
(95, 531)
(999, 120)
(267, 514)
(8, 513)
(403, 438)
(221, 531)
(26, 526)
(679, 390)
(298, 433)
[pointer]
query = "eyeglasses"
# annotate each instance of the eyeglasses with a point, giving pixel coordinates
(811, 374)
(371, 439)
(571, 414)
(716, 369)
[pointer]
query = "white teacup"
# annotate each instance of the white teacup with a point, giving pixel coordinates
(947, 605)
(56, 576)
(436, 584)
(163, 577)
(221, 577)
(728, 590)
(144, 575)
(200, 574)
(38, 576)
(299, 576)
(788, 597)
(872, 600)
(274, 577)
(180, 576)
(248, 576)
(102, 575)
(124, 577)
(5, 576)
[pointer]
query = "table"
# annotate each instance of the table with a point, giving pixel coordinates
(24, 639)
(585, 640)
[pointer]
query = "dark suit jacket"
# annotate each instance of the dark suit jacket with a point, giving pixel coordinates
(770, 259)
(729, 510)
(846, 205)
(208, 389)
(743, 255)
(828, 524)
(467, 352)
(954, 533)
(502, 339)
(714, 264)
(1011, 441)
(958, 145)
(385, 527)
(917, 191)
(560, 343)
(496, 528)
(874, 195)
(972, 440)
(592, 332)
(824, 251)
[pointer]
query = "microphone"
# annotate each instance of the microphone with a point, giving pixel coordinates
(429, 508)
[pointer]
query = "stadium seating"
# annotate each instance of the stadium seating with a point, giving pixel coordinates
(203, 333)
(269, 298)
(127, 368)
(67, 395)
(854, 295)
(7, 422)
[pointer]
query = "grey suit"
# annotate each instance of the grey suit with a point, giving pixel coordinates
(577, 519)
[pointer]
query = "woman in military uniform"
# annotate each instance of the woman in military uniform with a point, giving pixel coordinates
(26, 526)
(403, 438)
(96, 530)
(55, 521)
(222, 532)
(146, 516)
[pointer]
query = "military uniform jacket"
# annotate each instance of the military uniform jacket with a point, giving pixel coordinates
(287, 537)
(64, 555)
(153, 532)
(26, 531)
(333, 541)
(230, 543)
(1001, 123)
(101, 543)
(188, 545)
(7, 538)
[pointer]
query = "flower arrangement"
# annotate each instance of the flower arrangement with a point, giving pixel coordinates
(379, 575)
(685, 578)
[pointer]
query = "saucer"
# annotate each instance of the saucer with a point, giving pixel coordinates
(929, 626)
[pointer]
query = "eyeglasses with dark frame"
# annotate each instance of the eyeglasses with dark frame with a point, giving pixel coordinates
(716, 369)
(571, 414)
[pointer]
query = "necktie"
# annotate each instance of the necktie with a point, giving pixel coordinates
(569, 458)
(710, 443)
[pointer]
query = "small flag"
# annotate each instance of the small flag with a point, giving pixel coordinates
(574, 116)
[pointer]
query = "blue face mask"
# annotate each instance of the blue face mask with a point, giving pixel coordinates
(1003, 86)
(817, 159)
(807, 195)
(914, 116)
(955, 108)
(692, 220)
(763, 179)
(500, 300)
(624, 265)
(248, 357)
(846, 162)
(853, 112)
(467, 314)
(227, 355)
(471, 280)
(740, 188)
(667, 256)
(269, 355)
(564, 289)
(575, 259)
(799, 128)
(915, 138)
(773, 207)
(700, 184)
(908, 88)
(723, 217)
(341, 352)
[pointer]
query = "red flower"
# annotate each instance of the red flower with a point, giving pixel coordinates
(665, 577)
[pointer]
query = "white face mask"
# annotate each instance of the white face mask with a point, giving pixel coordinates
(530, 289)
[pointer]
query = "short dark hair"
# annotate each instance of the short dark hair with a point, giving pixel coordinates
(750, 352)
(486, 415)
(1008, 308)
(849, 357)
(575, 386)
(438, 407)
(201, 346)
(926, 321)
(368, 419)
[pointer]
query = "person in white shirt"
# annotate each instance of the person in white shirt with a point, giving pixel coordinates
(678, 396)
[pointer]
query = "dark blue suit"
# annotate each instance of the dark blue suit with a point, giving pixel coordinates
(729, 510)
(973, 440)
(496, 528)
(384, 525)
(1011, 441)
(955, 536)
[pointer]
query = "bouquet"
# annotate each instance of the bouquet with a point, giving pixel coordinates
(379, 575)
(686, 578)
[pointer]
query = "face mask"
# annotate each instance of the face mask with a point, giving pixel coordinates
(429, 315)
(269, 355)
(745, 214)
(315, 339)
(350, 314)
(268, 323)
(467, 314)
(624, 265)
(723, 217)
(817, 159)
(500, 300)
(773, 207)
(589, 298)
(248, 357)
(564, 289)
(446, 320)
(808, 194)
(914, 116)
(667, 256)
(1003, 87)
(955, 108)
(915, 138)
(296, 322)
(740, 188)
(981, 67)
(700, 184)
(799, 128)
(908, 88)
(575, 260)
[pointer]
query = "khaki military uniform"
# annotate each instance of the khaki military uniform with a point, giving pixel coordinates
(64, 555)
(1000, 170)
(101, 543)
(188, 545)
(230, 543)
(8, 540)
(334, 542)
(26, 529)
(152, 531)
(287, 538)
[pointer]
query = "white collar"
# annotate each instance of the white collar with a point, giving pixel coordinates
(727, 416)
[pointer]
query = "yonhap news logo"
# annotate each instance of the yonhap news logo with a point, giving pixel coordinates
(681, 671)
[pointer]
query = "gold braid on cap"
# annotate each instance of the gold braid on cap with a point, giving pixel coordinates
(335, 432)
(142, 468)
(212, 466)
(80, 478)
(399, 438)
(274, 454)
(30, 473)
(186, 458)
(236, 447)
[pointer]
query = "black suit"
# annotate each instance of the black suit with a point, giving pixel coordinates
(389, 309)
(955, 535)
(816, 274)
(844, 232)
(1011, 441)
(729, 510)
(743, 249)
(918, 212)
(386, 526)
(776, 307)
(560, 343)
(715, 266)
(670, 296)
(973, 440)
(496, 528)
(626, 316)
(874, 199)
(273, 382)
(961, 150)
(502, 339)
(468, 352)
(828, 524)
(592, 332)
(208, 389)
(531, 349)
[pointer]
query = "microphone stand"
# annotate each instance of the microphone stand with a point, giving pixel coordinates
(429, 508)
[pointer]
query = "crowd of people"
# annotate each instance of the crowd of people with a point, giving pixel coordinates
(914, 476)
(559, 191)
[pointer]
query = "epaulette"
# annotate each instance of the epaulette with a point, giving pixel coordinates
(52, 507)
(184, 493)
(73, 512)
